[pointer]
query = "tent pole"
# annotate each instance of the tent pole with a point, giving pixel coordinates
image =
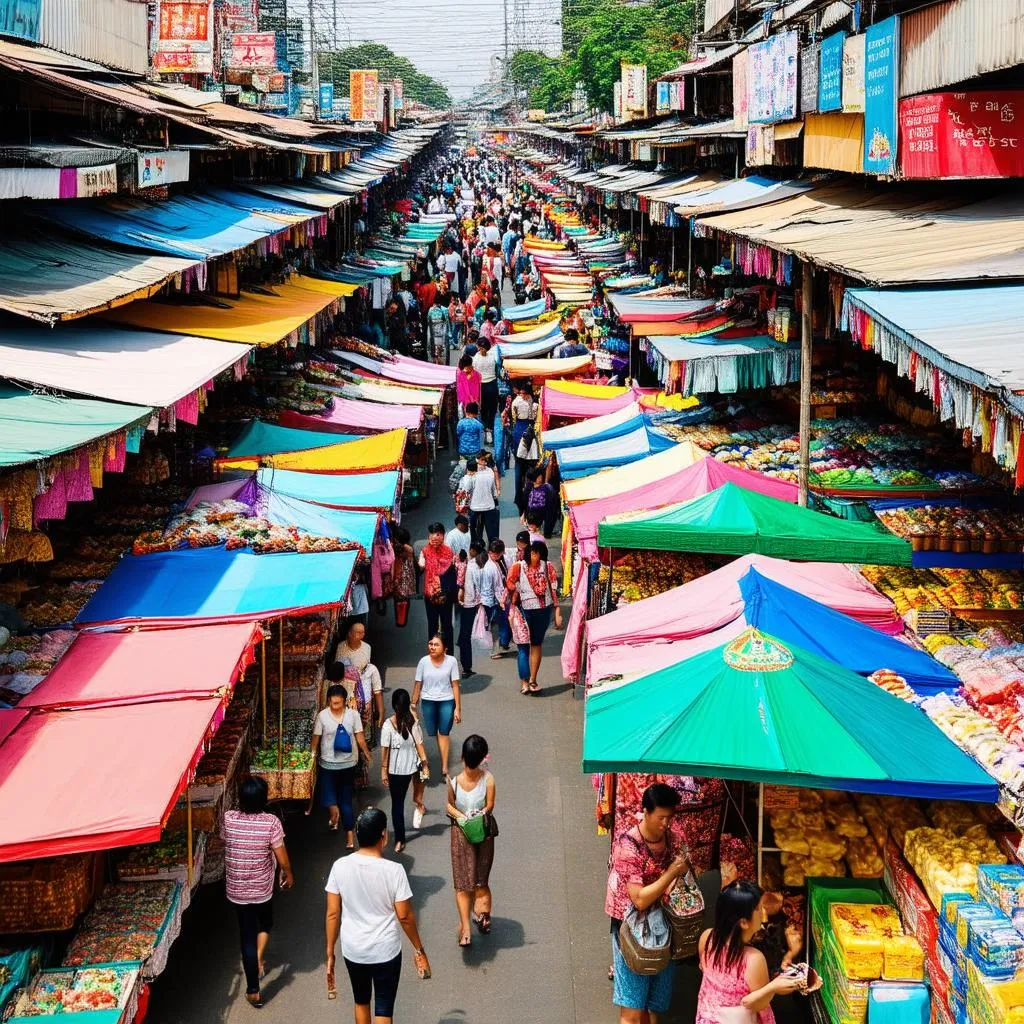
(188, 816)
(263, 679)
(806, 326)
(673, 231)
(760, 828)
(689, 259)
(280, 695)
(611, 573)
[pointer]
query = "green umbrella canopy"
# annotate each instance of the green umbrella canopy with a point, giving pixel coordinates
(757, 710)
(731, 520)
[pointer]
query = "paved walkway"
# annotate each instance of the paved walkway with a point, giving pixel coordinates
(547, 955)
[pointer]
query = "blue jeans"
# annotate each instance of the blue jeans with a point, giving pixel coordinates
(438, 716)
(523, 660)
(338, 789)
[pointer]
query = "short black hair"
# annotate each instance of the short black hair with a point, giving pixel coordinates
(337, 690)
(336, 671)
(485, 343)
(571, 334)
(523, 536)
(435, 528)
(497, 546)
(471, 465)
(534, 517)
(371, 826)
(659, 795)
(461, 520)
(253, 795)
(472, 408)
(474, 750)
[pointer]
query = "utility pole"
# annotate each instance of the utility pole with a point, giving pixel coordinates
(313, 59)
(508, 69)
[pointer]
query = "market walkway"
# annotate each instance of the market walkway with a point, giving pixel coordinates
(546, 958)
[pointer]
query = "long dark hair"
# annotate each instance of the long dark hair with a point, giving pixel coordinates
(403, 712)
(737, 902)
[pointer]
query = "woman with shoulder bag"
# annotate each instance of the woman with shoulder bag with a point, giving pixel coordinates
(471, 809)
(735, 988)
(533, 587)
(401, 756)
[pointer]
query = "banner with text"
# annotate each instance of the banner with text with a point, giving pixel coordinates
(881, 89)
(184, 43)
(809, 78)
(163, 167)
(254, 51)
(740, 95)
(398, 93)
(962, 135)
(830, 77)
(853, 74)
(634, 88)
(664, 97)
(362, 88)
(771, 79)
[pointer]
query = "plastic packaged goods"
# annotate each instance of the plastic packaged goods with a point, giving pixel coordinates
(948, 863)
(993, 1001)
(859, 931)
(902, 959)
(898, 1002)
(1002, 885)
(994, 946)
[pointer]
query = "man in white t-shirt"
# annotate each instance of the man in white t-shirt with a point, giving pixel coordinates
(369, 903)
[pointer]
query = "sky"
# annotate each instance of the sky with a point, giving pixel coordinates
(457, 42)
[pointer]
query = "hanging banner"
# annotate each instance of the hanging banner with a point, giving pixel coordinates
(771, 81)
(253, 51)
(20, 19)
(362, 87)
(962, 135)
(184, 42)
(881, 88)
(830, 76)
(236, 16)
(163, 168)
(398, 93)
(677, 99)
(96, 181)
(664, 97)
(809, 79)
(326, 100)
(853, 74)
(760, 145)
(740, 96)
(634, 88)
(617, 101)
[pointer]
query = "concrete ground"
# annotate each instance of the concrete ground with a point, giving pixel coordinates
(547, 956)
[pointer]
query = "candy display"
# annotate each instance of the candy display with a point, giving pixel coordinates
(952, 589)
(955, 528)
(45, 895)
(60, 991)
(168, 858)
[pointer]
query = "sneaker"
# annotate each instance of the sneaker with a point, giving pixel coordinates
(467, 672)
(417, 818)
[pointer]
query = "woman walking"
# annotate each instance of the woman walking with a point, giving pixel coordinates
(533, 586)
(471, 795)
(253, 848)
(401, 754)
(403, 575)
(483, 588)
(437, 681)
(439, 584)
(735, 975)
(337, 740)
(353, 652)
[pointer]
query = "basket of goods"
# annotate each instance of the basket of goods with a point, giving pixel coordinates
(45, 895)
(295, 777)
(109, 990)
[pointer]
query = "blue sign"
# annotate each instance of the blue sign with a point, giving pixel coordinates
(326, 99)
(20, 18)
(830, 73)
(881, 89)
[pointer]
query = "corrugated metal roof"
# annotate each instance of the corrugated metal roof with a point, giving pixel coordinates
(957, 40)
(739, 194)
(711, 62)
(890, 236)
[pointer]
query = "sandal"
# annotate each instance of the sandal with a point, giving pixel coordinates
(465, 940)
(534, 687)
(332, 826)
(254, 999)
(483, 923)
(399, 847)
(524, 690)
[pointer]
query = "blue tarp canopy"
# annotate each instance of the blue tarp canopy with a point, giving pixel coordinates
(509, 349)
(591, 431)
(214, 584)
(185, 225)
(344, 490)
(259, 438)
(737, 194)
(340, 524)
(527, 311)
(793, 618)
(619, 451)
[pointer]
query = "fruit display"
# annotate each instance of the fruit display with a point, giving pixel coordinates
(642, 574)
(215, 763)
(955, 528)
(293, 760)
(947, 862)
(993, 589)
(62, 991)
(304, 639)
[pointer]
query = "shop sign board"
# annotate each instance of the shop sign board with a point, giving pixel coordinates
(740, 93)
(398, 94)
(184, 42)
(163, 168)
(617, 100)
(634, 88)
(809, 56)
(20, 19)
(677, 95)
(97, 181)
(664, 97)
(962, 135)
(254, 51)
(326, 100)
(771, 79)
(362, 87)
(830, 77)
(881, 89)
(853, 74)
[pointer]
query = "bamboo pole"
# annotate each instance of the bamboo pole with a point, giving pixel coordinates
(689, 258)
(806, 327)
(263, 678)
(280, 694)
(760, 828)
(188, 817)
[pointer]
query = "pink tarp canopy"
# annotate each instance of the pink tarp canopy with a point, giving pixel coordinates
(97, 778)
(700, 478)
(349, 415)
(218, 492)
(159, 664)
(10, 719)
(566, 405)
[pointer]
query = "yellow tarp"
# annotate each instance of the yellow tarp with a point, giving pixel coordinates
(574, 387)
(539, 245)
(540, 369)
(251, 319)
(675, 403)
(571, 296)
(636, 474)
(583, 280)
(368, 454)
(535, 333)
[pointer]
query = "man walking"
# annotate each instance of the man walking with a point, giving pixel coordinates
(374, 897)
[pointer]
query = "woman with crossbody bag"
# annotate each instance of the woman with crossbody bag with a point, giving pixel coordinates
(533, 586)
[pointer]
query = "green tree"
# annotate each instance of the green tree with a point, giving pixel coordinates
(336, 64)
(546, 80)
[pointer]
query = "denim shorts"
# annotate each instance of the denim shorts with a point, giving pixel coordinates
(376, 981)
(438, 716)
(651, 992)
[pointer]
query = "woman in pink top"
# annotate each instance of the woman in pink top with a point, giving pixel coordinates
(467, 384)
(735, 987)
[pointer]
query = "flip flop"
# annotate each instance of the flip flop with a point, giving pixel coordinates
(465, 941)
(254, 999)
(483, 923)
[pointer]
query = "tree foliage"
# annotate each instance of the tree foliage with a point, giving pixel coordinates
(336, 64)
(547, 80)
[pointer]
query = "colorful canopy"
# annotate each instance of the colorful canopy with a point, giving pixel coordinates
(374, 491)
(130, 764)
(509, 347)
(401, 369)
(253, 318)
(597, 428)
(605, 453)
(358, 527)
(106, 668)
(368, 390)
(763, 711)
(539, 369)
(635, 309)
(351, 416)
(547, 329)
(734, 521)
(259, 438)
(701, 477)
(625, 478)
(376, 452)
(577, 405)
(217, 585)
(527, 311)
(793, 618)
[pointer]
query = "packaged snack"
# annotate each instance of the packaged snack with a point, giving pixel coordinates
(859, 931)
(1002, 885)
(994, 946)
(902, 959)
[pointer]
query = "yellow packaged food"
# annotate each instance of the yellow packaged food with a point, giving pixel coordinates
(825, 845)
(792, 841)
(859, 931)
(794, 871)
(902, 959)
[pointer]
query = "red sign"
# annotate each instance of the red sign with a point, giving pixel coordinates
(253, 50)
(962, 135)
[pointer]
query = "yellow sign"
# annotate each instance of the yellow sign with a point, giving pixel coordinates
(535, 115)
(362, 90)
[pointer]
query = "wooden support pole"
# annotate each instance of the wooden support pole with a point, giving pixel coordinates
(806, 327)
(263, 680)
(188, 819)
(280, 694)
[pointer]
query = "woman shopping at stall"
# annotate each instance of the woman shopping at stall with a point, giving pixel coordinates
(735, 988)
(337, 742)
(403, 575)
(353, 652)
(533, 589)
(437, 682)
(471, 809)
(401, 755)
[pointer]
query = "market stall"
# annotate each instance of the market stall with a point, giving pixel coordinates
(378, 452)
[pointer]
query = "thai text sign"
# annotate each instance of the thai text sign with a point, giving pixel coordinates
(881, 71)
(853, 75)
(362, 87)
(255, 51)
(809, 78)
(634, 88)
(184, 38)
(771, 79)
(962, 135)
(830, 76)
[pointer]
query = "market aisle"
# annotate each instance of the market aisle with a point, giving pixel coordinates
(545, 959)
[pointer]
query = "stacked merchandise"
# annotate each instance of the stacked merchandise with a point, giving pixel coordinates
(18, 963)
(286, 760)
(135, 921)
(104, 993)
(166, 859)
(25, 661)
(959, 591)
(46, 895)
(641, 574)
(956, 528)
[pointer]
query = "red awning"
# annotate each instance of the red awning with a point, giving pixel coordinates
(148, 665)
(97, 778)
